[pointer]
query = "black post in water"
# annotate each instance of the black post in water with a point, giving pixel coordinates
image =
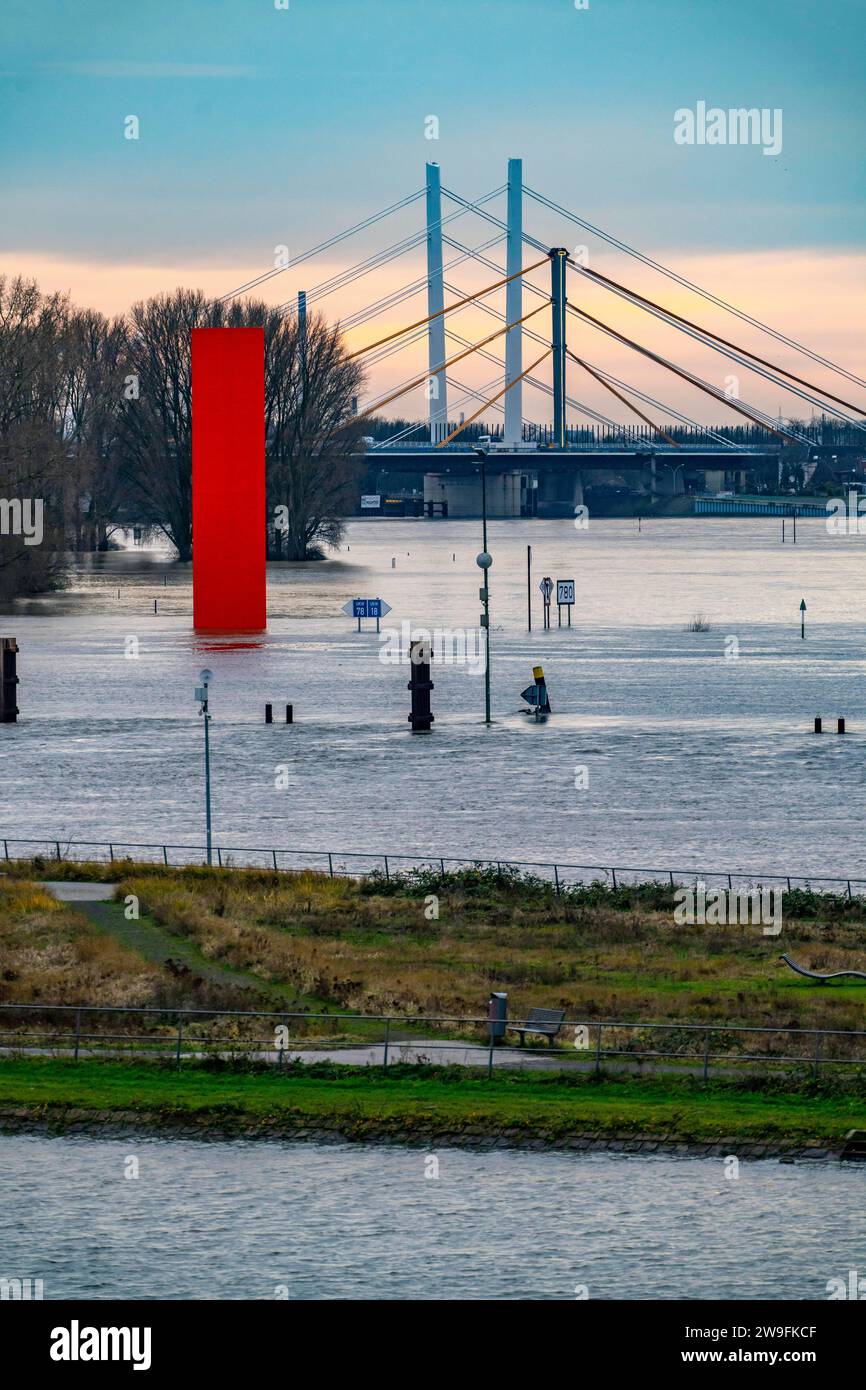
(529, 587)
(269, 714)
(818, 724)
(420, 685)
(8, 680)
(840, 726)
(290, 714)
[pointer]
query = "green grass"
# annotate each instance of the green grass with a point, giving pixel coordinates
(410, 1099)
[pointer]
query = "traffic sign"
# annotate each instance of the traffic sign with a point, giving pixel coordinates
(366, 608)
(564, 591)
(546, 587)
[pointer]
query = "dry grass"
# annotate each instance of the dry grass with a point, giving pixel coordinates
(50, 953)
(376, 952)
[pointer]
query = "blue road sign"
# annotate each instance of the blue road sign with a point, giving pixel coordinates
(366, 608)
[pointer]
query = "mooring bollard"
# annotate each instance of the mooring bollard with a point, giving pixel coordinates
(818, 725)
(269, 714)
(290, 714)
(420, 685)
(8, 680)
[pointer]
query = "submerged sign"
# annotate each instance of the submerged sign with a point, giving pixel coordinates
(366, 608)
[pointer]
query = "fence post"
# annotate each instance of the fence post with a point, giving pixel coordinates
(77, 1032)
(707, 1055)
(274, 855)
(556, 877)
(387, 1039)
(111, 853)
(613, 876)
(165, 855)
(817, 1062)
(57, 845)
(387, 874)
(179, 1039)
(331, 865)
(598, 1048)
(490, 1057)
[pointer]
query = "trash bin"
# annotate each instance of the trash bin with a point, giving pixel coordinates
(497, 1013)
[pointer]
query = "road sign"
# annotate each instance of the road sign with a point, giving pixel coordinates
(546, 587)
(371, 501)
(366, 608)
(564, 591)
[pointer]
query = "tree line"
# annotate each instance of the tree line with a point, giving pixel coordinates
(96, 422)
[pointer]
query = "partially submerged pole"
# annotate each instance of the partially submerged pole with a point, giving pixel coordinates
(8, 680)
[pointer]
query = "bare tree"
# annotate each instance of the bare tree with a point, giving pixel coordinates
(95, 381)
(32, 336)
(310, 436)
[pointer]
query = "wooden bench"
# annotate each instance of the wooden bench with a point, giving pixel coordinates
(544, 1022)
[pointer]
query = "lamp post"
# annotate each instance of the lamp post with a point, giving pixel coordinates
(484, 561)
(201, 695)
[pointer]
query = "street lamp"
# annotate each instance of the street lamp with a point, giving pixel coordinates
(484, 561)
(201, 695)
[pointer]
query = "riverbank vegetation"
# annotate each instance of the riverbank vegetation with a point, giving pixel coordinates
(422, 1102)
(435, 945)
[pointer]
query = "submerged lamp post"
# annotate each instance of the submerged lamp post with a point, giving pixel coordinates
(201, 695)
(484, 561)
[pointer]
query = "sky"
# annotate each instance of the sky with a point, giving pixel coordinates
(261, 127)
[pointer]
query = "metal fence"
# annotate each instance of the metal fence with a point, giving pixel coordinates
(692, 1049)
(359, 864)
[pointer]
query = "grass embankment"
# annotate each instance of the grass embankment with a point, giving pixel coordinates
(430, 945)
(426, 1101)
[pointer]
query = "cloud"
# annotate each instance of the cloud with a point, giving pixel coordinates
(118, 68)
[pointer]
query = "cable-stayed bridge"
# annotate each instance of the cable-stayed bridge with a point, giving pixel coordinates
(530, 347)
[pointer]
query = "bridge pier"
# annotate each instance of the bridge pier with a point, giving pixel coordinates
(559, 491)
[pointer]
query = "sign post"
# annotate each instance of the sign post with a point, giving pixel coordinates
(564, 598)
(802, 617)
(546, 587)
(366, 608)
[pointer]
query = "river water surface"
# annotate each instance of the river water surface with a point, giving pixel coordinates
(311, 1221)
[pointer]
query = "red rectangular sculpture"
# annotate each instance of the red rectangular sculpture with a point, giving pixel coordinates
(228, 479)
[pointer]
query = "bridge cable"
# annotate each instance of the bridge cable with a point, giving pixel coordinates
(488, 289)
(443, 366)
(708, 332)
(493, 399)
(607, 386)
(374, 262)
(686, 376)
(325, 245)
(650, 400)
(690, 285)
